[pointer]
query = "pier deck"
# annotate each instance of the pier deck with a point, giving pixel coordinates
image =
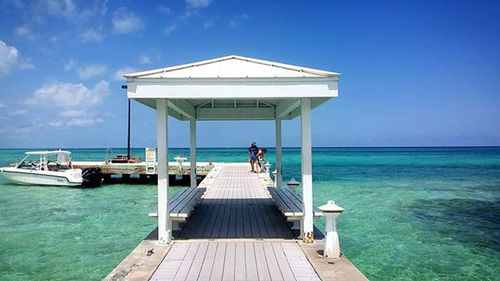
(235, 233)
(235, 206)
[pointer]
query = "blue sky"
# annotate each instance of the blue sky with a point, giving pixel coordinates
(415, 73)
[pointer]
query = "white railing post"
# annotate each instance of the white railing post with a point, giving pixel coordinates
(332, 244)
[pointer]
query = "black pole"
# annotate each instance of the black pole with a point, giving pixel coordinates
(128, 127)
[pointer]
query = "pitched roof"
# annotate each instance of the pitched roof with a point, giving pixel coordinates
(233, 66)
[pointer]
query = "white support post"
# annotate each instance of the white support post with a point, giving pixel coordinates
(307, 230)
(192, 143)
(164, 226)
(279, 157)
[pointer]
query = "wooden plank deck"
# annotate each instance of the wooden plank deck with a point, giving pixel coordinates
(207, 260)
(236, 233)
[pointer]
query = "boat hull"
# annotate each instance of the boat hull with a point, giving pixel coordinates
(33, 177)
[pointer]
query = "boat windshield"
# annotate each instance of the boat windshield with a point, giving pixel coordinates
(45, 161)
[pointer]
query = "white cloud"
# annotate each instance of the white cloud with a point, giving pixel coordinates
(18, 112)
(69, 96)
(64, 8)
(86, 71)
(170, 28)
(75, 11)
(24, 31)
(125, 21)
(124, 70)
(143, 59)
(91, 34)
(208, 24)
(198, 3)
(73, 113)
(26, 64)
(67, 9)
(70, 65)
(189, 13)
(91, 70)
(16, 3)
(56, 123)
(236, 21)
(9, 58)
(165, 9)
(3, 104)
(81, 122)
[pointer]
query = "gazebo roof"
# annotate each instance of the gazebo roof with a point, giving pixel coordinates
(233, 67)
(233, 88)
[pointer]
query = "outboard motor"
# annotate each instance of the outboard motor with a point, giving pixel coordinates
(92, 177)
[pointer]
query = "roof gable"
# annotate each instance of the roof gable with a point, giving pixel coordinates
(233, 67)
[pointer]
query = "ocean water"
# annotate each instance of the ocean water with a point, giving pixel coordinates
(410, 214)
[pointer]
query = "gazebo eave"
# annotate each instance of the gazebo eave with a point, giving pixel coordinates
(278, 97)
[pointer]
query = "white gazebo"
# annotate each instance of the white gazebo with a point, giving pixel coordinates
(233, 88)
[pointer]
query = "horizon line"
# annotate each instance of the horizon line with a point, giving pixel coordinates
(272, 147)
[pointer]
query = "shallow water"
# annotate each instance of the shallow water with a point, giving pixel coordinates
(411, 214)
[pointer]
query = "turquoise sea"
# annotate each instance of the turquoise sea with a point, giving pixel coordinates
(411, 214)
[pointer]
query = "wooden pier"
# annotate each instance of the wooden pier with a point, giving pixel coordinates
(175, 168)
(235, 233)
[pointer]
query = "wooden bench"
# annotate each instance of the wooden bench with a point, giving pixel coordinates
(182, 205)
(290, 204)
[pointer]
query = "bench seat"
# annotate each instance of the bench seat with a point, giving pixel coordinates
(289, 203)
(182, 204)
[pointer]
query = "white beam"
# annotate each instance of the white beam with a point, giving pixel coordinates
(306, 166)
(279, 164)
(242, 88)
(235, 113)
(164, 229)
(182, 107)
(286, 106)
(192, 152)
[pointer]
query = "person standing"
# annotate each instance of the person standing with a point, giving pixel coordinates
(252, 155)
(260, 160)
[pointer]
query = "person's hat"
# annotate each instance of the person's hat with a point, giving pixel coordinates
(254, 142)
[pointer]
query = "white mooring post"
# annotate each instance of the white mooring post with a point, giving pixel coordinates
(307, 230)
(164, 226)
(293, 184)
(267, 167)
(192, 143)
(332, 245)
(279, 157)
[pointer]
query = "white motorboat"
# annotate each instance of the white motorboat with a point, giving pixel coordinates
(44, 168)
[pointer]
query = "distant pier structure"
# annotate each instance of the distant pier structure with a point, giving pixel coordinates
(176, 170)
